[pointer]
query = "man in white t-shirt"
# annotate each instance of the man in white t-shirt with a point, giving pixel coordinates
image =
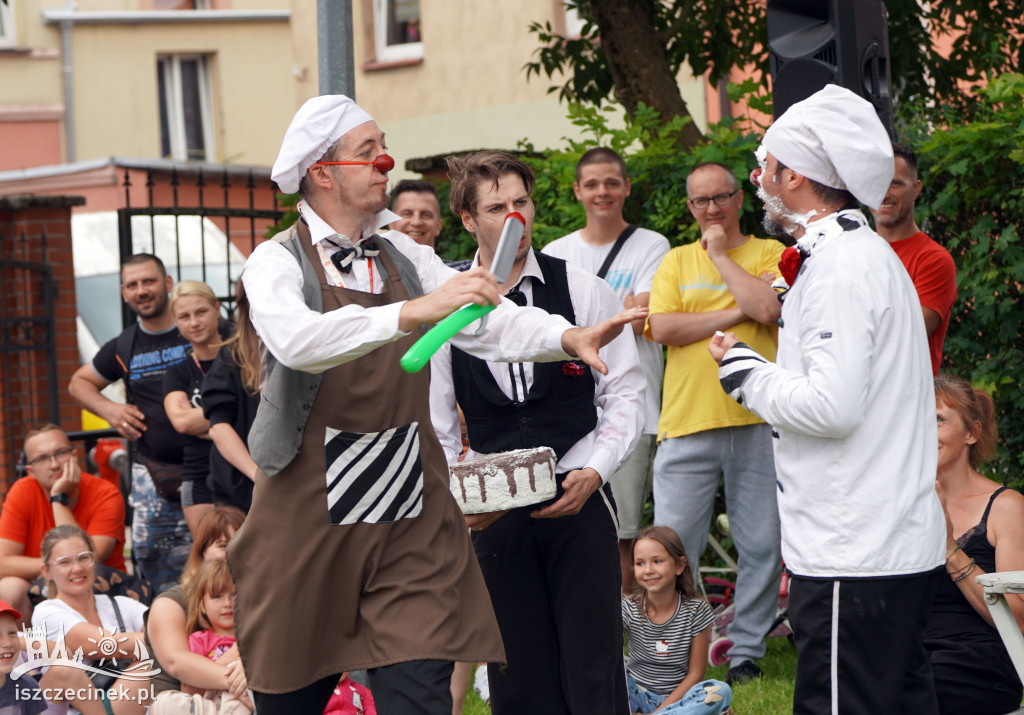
(602, 187)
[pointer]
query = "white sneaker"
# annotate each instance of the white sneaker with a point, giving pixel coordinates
(480, 684)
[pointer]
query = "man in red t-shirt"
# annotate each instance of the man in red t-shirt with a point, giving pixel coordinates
(57, 493)
(929, 264)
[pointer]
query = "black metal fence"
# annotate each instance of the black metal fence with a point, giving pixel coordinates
(227, 200)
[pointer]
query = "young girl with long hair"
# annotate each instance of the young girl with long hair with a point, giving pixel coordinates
(667, 627)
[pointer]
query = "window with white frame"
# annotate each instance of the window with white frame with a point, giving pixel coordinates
(397, 30)
(186, 117)
(6, 24)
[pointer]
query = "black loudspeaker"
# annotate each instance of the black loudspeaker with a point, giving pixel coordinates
(812, 43)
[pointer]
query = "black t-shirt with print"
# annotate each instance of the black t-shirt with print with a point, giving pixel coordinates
(186, 376)
(151, 355)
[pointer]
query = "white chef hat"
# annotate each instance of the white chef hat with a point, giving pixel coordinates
(835, 138)
(319, 123)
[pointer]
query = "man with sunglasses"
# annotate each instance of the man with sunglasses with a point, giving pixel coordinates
(58, 493)
(721, 282)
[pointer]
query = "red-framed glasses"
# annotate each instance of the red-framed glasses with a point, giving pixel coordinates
(382, 163)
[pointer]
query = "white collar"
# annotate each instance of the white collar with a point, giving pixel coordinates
(822, 232)
(320, 229)
(530, 269)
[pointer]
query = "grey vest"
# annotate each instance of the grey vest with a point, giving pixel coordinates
(287, 395)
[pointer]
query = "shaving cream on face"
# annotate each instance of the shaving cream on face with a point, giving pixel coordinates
(775, 211)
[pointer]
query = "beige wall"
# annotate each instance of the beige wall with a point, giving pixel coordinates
(116, 96)
(469, 91)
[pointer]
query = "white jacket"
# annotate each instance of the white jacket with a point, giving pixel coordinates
(852, 402)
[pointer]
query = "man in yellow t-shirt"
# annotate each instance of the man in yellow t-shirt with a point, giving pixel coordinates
(721, 282)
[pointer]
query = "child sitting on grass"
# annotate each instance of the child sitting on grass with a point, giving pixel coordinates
(667, 627)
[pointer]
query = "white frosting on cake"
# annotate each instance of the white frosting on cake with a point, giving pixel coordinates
(505, 480)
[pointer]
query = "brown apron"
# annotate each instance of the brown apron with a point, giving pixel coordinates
(356, 555)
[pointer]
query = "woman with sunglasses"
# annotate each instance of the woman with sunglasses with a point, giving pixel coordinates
(92, 624)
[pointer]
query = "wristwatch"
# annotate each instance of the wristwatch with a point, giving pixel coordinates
(60, 499)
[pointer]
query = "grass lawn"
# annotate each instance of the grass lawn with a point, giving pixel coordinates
(771, 695)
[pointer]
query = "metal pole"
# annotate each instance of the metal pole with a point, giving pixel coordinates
(334, 47)
(71, 149)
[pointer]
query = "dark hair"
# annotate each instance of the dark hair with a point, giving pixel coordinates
(670, 540)
(828, 194)
(733, 181)
(213, 577)
(907, 154)
(977, 411)
(470, 170)
(600, 155)
(138, 259)
(53, 537)
(416, 186)
(214, 525)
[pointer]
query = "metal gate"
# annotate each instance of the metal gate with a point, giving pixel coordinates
(28, 355)
(225, 202)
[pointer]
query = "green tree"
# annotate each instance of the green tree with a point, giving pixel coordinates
(634, 50)
(618, 55)
(973, 203)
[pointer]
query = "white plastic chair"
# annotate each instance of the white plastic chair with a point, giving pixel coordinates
(997, 585)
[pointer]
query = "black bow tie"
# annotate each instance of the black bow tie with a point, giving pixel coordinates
(516, 296)
(343, 257)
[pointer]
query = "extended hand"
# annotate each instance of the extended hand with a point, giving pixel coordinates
(579, 484)
(583, 343)
(720, 345)
(476, 285)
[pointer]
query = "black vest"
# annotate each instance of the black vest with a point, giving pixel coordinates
(558, 412)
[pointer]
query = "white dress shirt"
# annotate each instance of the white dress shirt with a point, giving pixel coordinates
(303, 339)
(619, 395)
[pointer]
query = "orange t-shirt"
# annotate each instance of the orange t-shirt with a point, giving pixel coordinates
(27, 515)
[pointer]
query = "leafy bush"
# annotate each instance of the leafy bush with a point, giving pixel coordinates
(656, 165)
(973, 199)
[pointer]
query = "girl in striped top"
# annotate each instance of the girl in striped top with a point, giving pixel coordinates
(667, 627)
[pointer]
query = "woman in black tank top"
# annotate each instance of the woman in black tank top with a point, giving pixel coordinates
(985, 533)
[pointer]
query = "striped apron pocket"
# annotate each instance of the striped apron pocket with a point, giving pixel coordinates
(374, 477)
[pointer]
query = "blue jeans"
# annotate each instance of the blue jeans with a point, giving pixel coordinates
(160, 537)
(687, 472)
(693, 703)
